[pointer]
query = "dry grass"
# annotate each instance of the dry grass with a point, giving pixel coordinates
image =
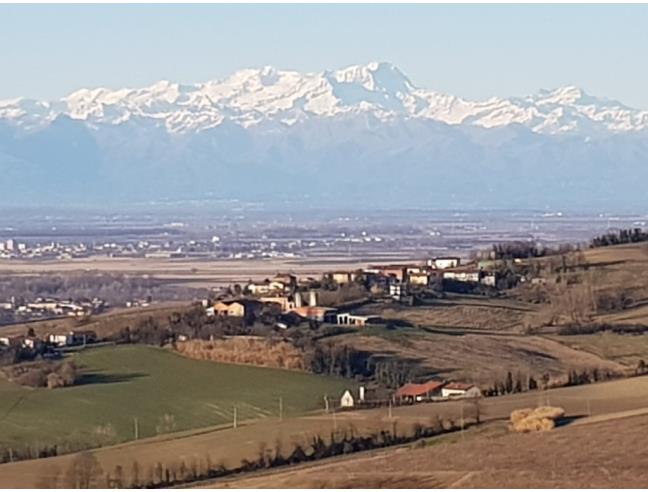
(481, 359)
(467, 312)
(246, 350)
(603, 455)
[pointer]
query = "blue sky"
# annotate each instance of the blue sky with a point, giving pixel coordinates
(473, 51)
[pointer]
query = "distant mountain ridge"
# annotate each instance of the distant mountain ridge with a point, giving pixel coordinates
(267, 96)
(360, 134)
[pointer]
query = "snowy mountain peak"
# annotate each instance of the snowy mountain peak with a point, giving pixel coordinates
(562, 95)
(270, 98)
(375, 76)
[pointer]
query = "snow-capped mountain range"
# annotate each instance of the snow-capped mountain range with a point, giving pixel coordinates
(271, 98)
(359, 136)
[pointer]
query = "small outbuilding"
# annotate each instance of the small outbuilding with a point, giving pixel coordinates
(460, 390)
(347, 400)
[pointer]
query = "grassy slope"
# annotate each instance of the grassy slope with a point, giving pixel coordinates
(473, 357)
(624, 349)
(125, 382)
(609, 454)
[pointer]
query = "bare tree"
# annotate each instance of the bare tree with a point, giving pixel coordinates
(476, 405)
(84, 472)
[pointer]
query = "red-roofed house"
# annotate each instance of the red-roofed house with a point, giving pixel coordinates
(419, 392)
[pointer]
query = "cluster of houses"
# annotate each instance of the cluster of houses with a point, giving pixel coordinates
(70, 339)
(43, 308)
(429, 391)
(434, 390)
(283, 292)
(293, 309)
(399, 280)
(297, 297)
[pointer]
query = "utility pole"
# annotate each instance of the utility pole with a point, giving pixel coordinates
(280, 408)
(326, 403)
(136, 428)
(462, 421)
(235, 418)
(390, 409)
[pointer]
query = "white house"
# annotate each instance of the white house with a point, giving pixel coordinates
(58, 340)
(463, 275)
(356, 319)
(347, 400)
(444, 262)
(488, 278)
(460, 390)
(259, 288)
(6, 341)
(397, 290)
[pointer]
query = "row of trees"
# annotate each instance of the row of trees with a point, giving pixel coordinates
(192, 323)
(623, 236)
(519, 384)
(346, 361)
(85, 470)
(525, 249)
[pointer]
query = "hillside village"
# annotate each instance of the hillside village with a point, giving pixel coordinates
(335, 325)
(299, 298)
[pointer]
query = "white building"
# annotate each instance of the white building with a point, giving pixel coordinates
(463, 275)
(347, 400)
(460, 390)
(444, 262)
(356, 319)
(488, 278)
(58, 340)
(397, 291)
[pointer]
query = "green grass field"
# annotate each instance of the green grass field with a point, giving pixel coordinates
(119, 384)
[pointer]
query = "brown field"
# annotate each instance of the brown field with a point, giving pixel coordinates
(193, 272)
(232, 445)
(469, 312)
(480, 358)
(608, 454)
(636, 253)
(624, 269)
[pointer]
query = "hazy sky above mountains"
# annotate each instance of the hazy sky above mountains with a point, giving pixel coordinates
(471, 51)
